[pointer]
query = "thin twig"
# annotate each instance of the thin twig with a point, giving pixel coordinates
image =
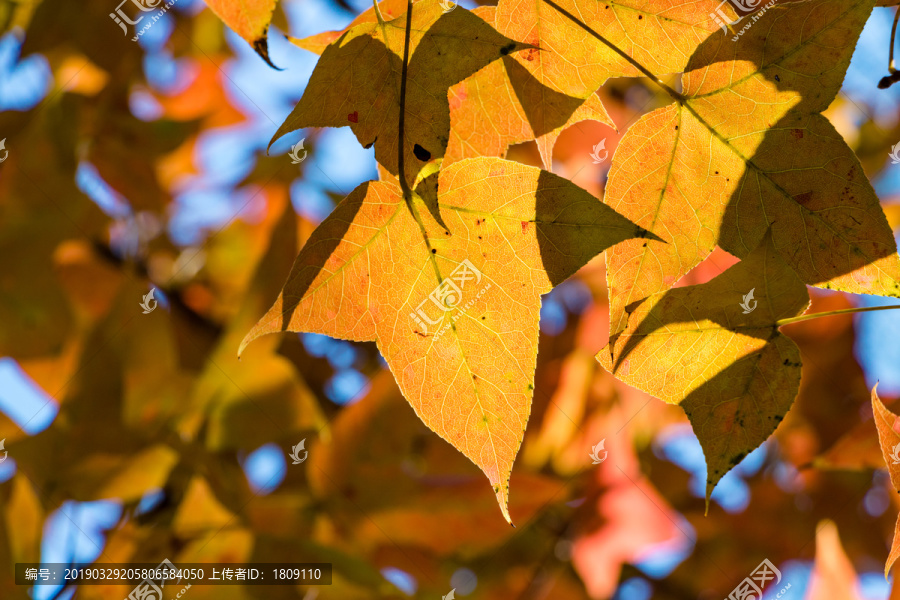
(843, 311)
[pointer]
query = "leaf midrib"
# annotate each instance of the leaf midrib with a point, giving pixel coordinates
(685, 102)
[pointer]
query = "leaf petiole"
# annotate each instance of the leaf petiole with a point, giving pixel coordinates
(894, 76)
(404, 185)
(843, 311)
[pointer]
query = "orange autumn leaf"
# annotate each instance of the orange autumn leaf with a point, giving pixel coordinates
(249, 19)
(745, 148)
(448, 284)
(463, 84)
(538, 93)
(502, 105)
(715, 350)
(390, 10)
(442, 49)
(569, 59)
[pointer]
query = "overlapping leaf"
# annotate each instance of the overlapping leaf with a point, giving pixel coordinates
(660, 35)
(746, 149)
(537, 93)
(357, 82)
(731, 370)
(389, 9)
(448, 284)
(503, 104)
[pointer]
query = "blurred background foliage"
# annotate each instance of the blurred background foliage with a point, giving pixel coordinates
(136, 437)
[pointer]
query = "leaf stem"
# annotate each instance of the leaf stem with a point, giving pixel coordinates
(401, 171)
(678, 97)
(378, 13)
(404, 185)
(843, 311)
(891, 68)
(894, 76)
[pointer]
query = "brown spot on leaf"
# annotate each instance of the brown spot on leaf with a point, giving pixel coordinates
(803, 198)
(353, 117)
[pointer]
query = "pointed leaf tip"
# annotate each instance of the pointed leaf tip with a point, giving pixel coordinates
(250, 19)
(737, 401)
(515, 209)
(261, 46)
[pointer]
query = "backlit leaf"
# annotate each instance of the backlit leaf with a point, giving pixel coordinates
(357, 82)
(731, 371)
(453, 309)
(390, 10)
(661, 35)
(249, 19)
(503, 104)
(745, 150)
(537, 93)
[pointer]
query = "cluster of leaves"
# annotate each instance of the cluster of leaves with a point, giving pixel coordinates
(157, 405)
(742, 159)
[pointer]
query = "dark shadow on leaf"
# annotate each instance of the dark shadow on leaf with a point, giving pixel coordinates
(545, 108)
(778, 293)
(317, 250)
(428, 191)
(440, 60)
(572, 232)
(440, 45)
(803, 180)
(737, 409)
